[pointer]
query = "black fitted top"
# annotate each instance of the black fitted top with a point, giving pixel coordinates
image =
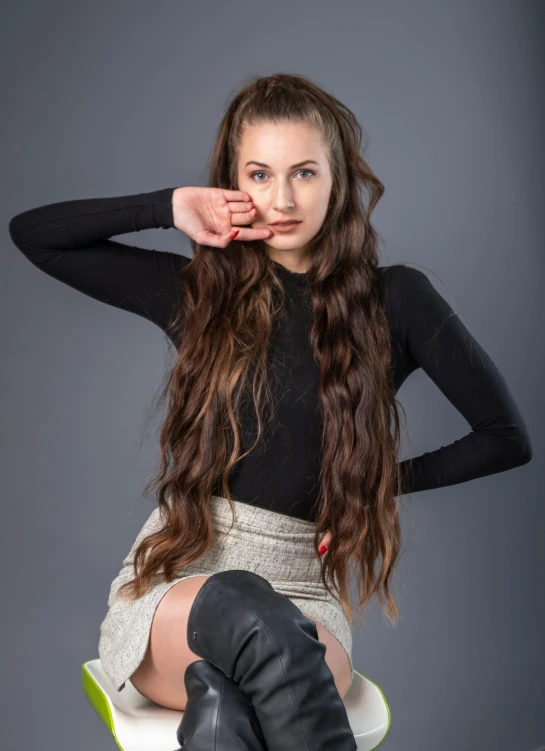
(70, 242)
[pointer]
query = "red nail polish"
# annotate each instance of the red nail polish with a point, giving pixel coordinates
(322, 549)
(234, 234)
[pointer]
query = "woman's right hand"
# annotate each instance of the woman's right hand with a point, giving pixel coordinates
(210, 215)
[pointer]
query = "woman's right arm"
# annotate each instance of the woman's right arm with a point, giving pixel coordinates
(70, 242)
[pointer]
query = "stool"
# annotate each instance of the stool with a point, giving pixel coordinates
(138, 724)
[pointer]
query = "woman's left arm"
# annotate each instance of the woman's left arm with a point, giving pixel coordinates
(437, 341)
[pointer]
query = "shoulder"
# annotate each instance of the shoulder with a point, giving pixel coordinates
(180, 261)
(410, 300)
(177, 262)
(401, 288)
(398, 280)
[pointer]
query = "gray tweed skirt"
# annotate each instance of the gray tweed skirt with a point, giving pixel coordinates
(275, 546)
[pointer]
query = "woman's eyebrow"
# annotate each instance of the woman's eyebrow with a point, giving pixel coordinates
(293, 166)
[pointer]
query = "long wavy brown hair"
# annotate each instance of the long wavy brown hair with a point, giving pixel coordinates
(231, 299)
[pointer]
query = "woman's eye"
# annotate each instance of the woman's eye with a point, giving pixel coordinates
(310, 172)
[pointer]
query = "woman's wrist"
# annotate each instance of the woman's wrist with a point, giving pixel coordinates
(178, 195)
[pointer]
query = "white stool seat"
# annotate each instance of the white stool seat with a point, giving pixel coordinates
(138, 724)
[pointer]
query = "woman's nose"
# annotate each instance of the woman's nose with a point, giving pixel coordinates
(283, 198)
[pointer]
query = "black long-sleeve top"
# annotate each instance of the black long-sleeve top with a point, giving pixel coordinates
(70, 242)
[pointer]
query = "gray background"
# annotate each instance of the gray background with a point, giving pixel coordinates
(113, 98)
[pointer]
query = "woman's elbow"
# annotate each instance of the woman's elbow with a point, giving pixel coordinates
(525, 451)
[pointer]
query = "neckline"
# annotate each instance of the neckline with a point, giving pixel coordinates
(295, 275)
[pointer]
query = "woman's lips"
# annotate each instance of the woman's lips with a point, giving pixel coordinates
(284, 227)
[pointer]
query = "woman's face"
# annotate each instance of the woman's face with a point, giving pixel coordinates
(285, 170)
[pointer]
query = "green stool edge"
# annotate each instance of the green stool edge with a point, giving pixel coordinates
(385, 704)
(98, 701)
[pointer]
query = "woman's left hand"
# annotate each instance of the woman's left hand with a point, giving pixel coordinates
(324, 542)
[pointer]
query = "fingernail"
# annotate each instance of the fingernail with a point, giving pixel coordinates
(322, 549)
(234, 234)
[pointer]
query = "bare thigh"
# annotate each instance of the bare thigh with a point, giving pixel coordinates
(160, 675)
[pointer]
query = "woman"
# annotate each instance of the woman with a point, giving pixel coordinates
(282, 434)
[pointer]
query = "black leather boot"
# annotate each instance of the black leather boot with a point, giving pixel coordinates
(264, 643)
(217, 715)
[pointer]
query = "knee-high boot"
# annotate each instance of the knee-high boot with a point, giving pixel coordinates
(217, 715)
(263, 642)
